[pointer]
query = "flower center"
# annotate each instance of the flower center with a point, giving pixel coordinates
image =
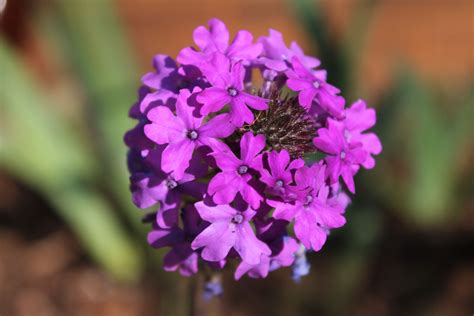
(309, 199)
(316, 84)
(193, 135)
(232, 91)
(171, 184)
(286, 125)
(237, 219)
(279, 183)
(243, 169)
(343, 155)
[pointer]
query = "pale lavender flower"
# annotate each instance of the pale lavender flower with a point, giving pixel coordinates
(279, 178)
(313, 87)
(343, 158)
(236, 173)
(229, 229)
(227, 87)
(311, 215)
(358, 119)
(184, 132)
(277, 55)
(216, 39)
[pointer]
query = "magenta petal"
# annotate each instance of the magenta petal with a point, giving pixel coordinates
(301, 70)
(283, 211)
(251, 146)
(325, 143)
(359, 118)
(277, 65)
(278, 162)
(348, 179)
(371, 143)
(286, 257)
(219, 126)
(217, 36)
(308, 61)
(164, 127)
(217, 70)
(176, 157)
(255, 102)
(237, 76)
(239, 112)
(297, 84)
(330, 217)
(185, 112)
(307, 231)
(224, 186)
(251, 196)
(217, 240)
(189, 56)
(306, 97)
(213, 99)
(215, 213)
(248, 246)
(242, 47)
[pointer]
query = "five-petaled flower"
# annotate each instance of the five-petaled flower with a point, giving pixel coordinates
(227, 80)
(232, 229)
(236, 173)
(184, 132)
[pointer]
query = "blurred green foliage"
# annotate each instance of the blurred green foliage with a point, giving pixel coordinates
(40, 148)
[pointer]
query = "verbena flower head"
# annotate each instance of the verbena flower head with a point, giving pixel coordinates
(228, 164)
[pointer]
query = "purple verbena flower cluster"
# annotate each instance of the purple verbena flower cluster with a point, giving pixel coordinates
(229, 167)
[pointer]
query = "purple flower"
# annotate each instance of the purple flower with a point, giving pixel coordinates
(235, 156)
(279, 178)
(216, 39)
(162, 84)
(301, 266)
(181, 256)
(283, 258)
(229, 229)
(227, 82)
(358, 118)
(165, 75)
(152, 185)
(277, 55)
(135, 138)
(212, 288)
(184, 132)
(312, 215)
(235, 175)
(311, 86)
(343, 158)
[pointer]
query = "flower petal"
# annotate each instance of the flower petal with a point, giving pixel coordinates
(251, 146)
(213, 214)
(176, 157)
(248, 246)
(213, 99)
(165, 127)
(217, 240)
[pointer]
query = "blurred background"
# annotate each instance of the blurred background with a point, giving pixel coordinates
(71, 243)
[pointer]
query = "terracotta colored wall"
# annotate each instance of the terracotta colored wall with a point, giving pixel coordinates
(437, 36)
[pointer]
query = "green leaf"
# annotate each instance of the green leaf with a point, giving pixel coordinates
(40, 148)
(92, 40)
